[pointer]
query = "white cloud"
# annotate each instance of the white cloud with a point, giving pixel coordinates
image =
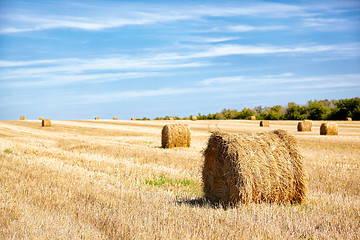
(114, 15)
(121, 95)
(210, 40)
(281, 79)
(236, 49)
(47, 80)
(248, 28)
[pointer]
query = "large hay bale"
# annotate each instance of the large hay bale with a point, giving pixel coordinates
(193, 118)
(40, 118)
(133, 119)
(253, 118)
(115, 118)
(348, 119)
(304, 126)
(329, 128)
(175, 135)
(262, 167)
(264, 123)
(22, 117)
(97, 118)
(46, 123)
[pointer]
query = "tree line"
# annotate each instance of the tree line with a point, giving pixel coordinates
(313, 109)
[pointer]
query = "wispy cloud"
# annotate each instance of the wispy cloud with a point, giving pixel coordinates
(209, 39)
(120, 14)
(331, 24)
(67, 71)
(284, 78)
(248, 28)
(326, 84)
(237, 49)
(71, 71)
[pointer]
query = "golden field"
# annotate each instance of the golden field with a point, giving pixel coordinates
(109, 179)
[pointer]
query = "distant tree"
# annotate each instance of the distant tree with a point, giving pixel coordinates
(317, 110)
(217, 116)
(346, 108)
(295, 112)
(356, 113)
(246, 113)
(274, 113)
(259, 109)
(229, 114)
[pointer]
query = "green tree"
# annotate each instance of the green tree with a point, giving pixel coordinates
(274, 113)
(346, 108)
(295, 112)
(246, 113)
(316, 110)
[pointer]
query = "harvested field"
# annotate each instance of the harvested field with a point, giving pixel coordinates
(111, 179)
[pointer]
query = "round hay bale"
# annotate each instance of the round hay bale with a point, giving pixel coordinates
(193, 118)
(329, 128)
(22, 117)
(348, 119)
(46, 123)
(308, 121)
(97, 118)
(40, 118)
(175, 135)
(115, 118)
(171, 119)
(262, 167)
(253, 118)
(304, 126)
(133, 119)
(264, 123)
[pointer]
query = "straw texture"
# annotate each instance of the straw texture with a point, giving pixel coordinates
(46, 123)
(329, 128)
(304, 126)
(243, 168)
(176, 135)
(264, 123)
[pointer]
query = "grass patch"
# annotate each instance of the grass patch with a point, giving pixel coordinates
(159, 180)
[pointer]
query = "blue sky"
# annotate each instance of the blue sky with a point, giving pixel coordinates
(81, 59)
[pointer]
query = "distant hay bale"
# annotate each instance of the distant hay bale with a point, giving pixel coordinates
(253, 118)
(348, 119)
(40, 118)
(308, 121)
(329, 128)
(46, 123)
(304, 126)
(97, 118)
(22, 117)
(133, 119)
(175, 135)
(115, 118)
(193, 118)
(262, 167)
(264, 123)
(171, 119)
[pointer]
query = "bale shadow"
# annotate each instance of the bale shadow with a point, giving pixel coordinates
(202, 203)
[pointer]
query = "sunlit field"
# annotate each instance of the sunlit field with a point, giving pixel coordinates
(111, 179)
